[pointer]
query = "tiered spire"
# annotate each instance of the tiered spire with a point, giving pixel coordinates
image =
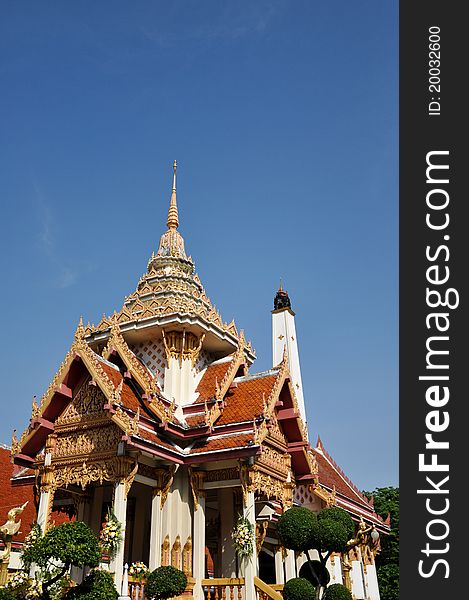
(172, 242)
(173, 218)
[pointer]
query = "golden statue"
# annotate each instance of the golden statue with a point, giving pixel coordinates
(362, 537)
(7, 531)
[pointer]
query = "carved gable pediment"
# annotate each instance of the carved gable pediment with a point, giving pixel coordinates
(86, 443)
(87, 405)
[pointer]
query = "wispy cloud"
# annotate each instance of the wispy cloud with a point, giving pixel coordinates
(231, 23)
(64, 275)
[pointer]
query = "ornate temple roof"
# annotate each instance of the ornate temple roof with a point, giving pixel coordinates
(346, 493)
(232, 413)
(170, 291)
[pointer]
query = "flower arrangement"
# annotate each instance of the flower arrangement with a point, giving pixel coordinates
(243, 537)
(34, 590)
(110, 536)
(138, 570)
(32, 536)
(24, 586)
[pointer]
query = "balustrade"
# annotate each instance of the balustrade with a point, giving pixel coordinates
(136, 589)
(223, 588)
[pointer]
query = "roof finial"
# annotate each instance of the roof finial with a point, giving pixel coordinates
(173, 220)
(280, 289)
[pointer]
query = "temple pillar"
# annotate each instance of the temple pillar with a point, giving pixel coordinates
(290, 570)
(47, 489)
(120, 511)
(249, 566)
(97, 509)
(198, 562)
(228, 554)
(45, 505)
(279, 572)
(155, 531)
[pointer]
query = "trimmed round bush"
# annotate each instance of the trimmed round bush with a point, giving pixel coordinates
(337, 591)
(97, 585)
(299, 589)
(341, 516)
(332, 535)
(165, 582)
(72, 543)
(297, 528)
(321, 572)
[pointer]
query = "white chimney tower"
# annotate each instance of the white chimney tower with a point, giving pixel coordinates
(284, 335)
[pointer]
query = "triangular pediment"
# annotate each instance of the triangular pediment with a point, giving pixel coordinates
(86, 405)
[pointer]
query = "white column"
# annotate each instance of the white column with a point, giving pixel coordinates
(249, 565)
(228, 554)
(155, 532)
(120, 510)
(43, 510)
(372, 579)
(45, 499)
(356, 575)
(279, 572)
(290, 571)
(198, 549)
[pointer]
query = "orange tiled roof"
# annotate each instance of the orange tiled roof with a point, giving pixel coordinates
(213, 374)
(214, 444)
(330, 475)
(195, 420)
(128, 396)
(246, 400)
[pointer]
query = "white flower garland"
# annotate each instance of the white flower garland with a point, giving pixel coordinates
(110, 536)
(243, 538)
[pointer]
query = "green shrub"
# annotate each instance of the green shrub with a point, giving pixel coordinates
(97, 585)
(337, 591)
(332, 535)
(299, 589)
(322, 575)
(341, 516)
(297, 528)
(72, 543)
(165, 582)
(5, 594)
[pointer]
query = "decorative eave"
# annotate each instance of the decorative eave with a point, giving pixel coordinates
(59, 394)
(169, 313)
(222, 387)
(142, 376)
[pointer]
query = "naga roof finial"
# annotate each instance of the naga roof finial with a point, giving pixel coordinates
(173, 219)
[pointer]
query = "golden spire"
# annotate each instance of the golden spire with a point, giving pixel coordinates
(173, 220)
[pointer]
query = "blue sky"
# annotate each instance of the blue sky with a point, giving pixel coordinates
(283, 118)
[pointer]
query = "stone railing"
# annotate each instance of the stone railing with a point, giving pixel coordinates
(136, 589)
(223, 588)
(267, 592)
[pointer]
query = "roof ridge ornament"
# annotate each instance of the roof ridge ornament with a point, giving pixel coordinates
(173, 217)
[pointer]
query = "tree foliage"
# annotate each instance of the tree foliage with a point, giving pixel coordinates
(386, 502)
(97, 585)
(69, 544)
(300, 529)
(72, 543)
(297, 528)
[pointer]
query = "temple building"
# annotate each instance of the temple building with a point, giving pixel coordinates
(158, 412)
